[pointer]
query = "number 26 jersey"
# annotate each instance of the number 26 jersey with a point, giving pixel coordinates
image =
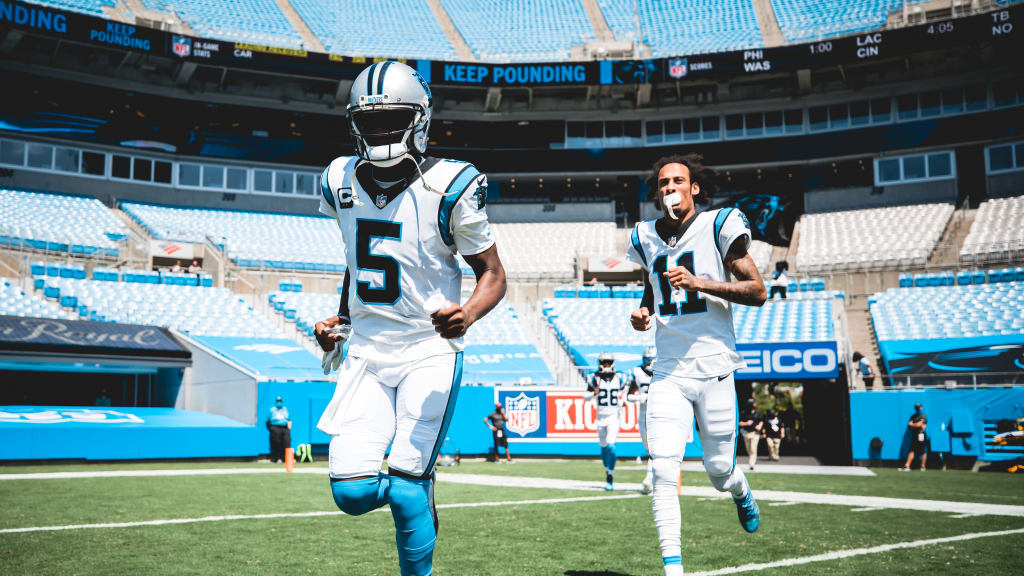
(400, 248)
(693, 330)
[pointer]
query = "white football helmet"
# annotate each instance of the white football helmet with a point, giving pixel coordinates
(389, 110)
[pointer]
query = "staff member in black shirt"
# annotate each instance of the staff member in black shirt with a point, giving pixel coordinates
(918, 438)
(496, 422)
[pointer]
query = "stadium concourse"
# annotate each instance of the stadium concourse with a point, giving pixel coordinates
(164, 260)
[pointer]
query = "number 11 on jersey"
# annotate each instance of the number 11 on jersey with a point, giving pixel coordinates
(693, 304)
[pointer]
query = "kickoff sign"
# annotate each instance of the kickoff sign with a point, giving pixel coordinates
(558, 414)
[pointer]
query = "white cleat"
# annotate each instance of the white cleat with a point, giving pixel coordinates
(646, 486)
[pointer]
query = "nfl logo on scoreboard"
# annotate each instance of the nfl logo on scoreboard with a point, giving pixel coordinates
(677, 67)
(182, 46)
(523, 414)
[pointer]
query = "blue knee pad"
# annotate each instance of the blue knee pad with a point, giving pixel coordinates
(355, 497)
(414, 525)
(611, 457)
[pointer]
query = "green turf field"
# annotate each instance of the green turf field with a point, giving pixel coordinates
(515, 533)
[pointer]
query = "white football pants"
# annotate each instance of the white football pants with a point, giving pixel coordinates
(394, 402)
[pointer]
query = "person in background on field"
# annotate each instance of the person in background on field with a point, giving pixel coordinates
(103, 399)
(751, 425)
(773, 432)
(280, 425)
(779, 280)
(496, 422)
(867, 372)
(918, 438)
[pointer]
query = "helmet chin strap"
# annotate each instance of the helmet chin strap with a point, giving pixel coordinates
(386, 161)
(669, 202)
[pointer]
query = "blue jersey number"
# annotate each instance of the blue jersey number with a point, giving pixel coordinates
(607, 397)
(693, 304)
(391, 291)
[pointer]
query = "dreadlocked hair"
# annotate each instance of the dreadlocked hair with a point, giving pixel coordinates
(703, 175)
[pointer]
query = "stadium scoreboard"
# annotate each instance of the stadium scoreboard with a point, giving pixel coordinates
(999, 27)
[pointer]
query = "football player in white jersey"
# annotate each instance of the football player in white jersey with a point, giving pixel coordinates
(605, 389)
(688, 258)
(638, 388)
(403, 217)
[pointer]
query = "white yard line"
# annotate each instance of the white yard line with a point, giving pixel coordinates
(872, 502)
(150, 473)
(798, 469)
(303, 514)
(840, 554)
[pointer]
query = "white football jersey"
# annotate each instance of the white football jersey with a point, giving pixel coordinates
(608, 399)
(643, 382)
(400, 249)
(693, 331)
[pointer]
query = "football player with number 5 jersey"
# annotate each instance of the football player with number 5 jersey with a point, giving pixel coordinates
(688, 258)
(404, 218)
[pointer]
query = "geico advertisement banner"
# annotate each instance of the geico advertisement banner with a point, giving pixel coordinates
(553, 414)
(789, 361)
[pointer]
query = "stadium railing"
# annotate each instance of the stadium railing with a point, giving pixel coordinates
(948, 381)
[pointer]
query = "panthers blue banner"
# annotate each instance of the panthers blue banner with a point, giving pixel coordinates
(987, 354)
(504, 364)
(765, 360)
(274, 358)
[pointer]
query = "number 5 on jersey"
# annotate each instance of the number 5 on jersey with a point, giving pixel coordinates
(391, 289)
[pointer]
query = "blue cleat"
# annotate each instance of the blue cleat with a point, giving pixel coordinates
(609, 482)
(608, 487)
(749, 513)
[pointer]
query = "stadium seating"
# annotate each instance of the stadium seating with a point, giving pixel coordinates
(250, 21)
(548, 249)
(996, 233)
(251, 239)
(14, 302)
(761, 252)
(807, 20)
(90, 7)
(397, 28)
(872, 238)
(582, 322)
(948, 311)
(196, 310)
(59, 223)
(520, 30)
(693, 27)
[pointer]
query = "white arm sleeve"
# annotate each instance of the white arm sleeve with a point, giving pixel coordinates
(735, 227)
(470, 228)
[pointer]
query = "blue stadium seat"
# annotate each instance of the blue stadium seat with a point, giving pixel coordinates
(89, 7)
(934, 312)
(392, 29)
(282, 241)
(59, 223)
(520, 30)
(249, 21)
(808, 20)
(692, 27)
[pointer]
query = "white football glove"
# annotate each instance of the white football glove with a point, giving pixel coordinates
(332, 359)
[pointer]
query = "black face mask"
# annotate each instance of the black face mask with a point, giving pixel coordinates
(383, 127)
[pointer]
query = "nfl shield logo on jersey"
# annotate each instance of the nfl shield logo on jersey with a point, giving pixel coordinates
(523, 414)
(182, 46)
(382, 200)
(677, 67)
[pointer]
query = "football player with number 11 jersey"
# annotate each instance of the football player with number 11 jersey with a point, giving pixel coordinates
(688, 258)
